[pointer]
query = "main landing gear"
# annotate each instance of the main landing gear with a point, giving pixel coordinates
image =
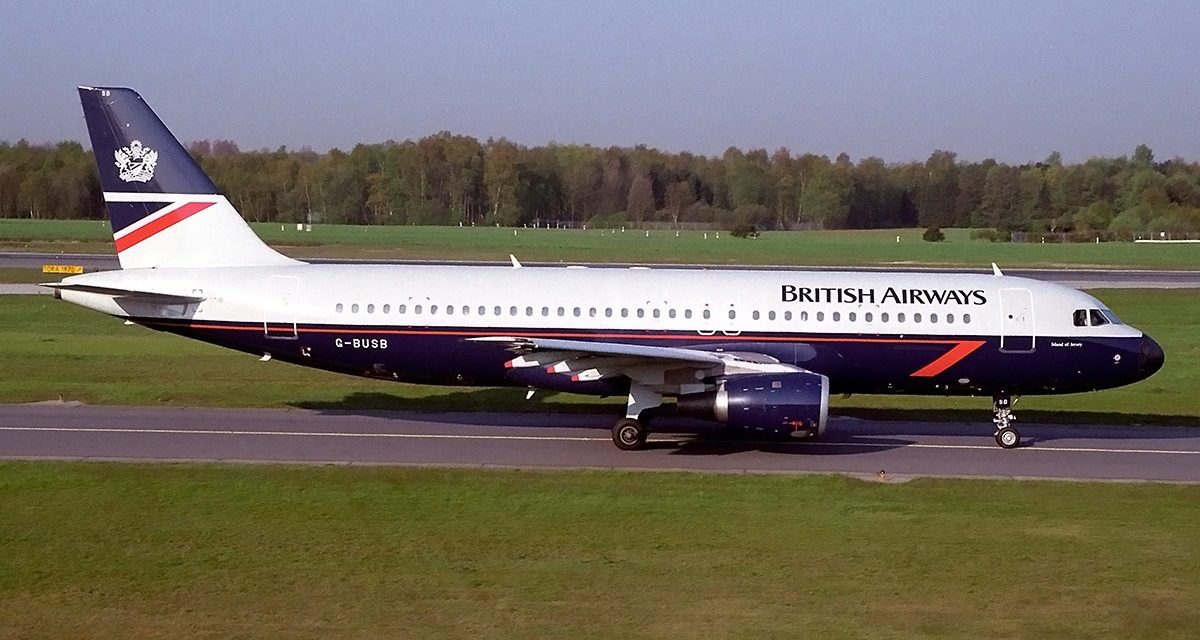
(630, 432)
(1002, 414)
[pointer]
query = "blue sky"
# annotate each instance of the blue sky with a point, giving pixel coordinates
(1009, 80)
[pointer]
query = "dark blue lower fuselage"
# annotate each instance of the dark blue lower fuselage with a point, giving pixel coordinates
(950, 365)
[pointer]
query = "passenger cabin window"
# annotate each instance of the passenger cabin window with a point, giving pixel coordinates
(339, 307)
(787, 315)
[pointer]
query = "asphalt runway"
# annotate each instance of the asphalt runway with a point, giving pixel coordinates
(486, 440)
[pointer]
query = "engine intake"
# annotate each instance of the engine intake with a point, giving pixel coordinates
(776, 403)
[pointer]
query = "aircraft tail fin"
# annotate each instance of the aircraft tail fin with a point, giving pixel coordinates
(164, 210)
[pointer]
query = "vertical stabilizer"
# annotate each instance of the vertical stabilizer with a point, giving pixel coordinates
(165, 212)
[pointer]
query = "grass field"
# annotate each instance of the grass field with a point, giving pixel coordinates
(876, 247)
(50, 348)
(170, 551)
(18, 275)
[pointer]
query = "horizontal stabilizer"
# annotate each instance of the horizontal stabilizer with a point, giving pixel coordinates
(148, 296)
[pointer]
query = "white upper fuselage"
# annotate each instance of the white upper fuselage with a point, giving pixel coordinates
(696, 300)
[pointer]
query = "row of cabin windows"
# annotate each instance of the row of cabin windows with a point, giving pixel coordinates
(624, 312)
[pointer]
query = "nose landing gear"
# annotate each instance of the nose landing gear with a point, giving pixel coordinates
(1002, 414)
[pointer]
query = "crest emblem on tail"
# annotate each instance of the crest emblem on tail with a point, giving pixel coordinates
(136, 162)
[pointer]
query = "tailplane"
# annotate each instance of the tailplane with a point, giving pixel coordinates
(164, 210)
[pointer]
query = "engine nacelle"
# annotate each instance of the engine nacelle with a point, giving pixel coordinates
(794, 403)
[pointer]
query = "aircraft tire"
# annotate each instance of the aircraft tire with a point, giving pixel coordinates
(1008, 438)
(629, 434)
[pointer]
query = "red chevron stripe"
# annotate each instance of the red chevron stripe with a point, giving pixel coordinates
(948, 359)
(161, 224)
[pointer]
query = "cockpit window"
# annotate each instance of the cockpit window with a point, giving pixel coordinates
(1094, 317)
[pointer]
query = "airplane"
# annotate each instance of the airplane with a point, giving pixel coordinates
(760, 351)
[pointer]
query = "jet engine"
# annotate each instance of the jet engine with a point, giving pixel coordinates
(795, 404)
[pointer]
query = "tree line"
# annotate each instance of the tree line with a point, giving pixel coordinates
(449, 179)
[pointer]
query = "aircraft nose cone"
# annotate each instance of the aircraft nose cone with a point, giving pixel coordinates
(1150, 358)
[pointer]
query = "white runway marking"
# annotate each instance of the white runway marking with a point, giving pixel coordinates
(325, 434)
(467, 436)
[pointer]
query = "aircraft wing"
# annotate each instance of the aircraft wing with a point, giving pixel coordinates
(587, 361)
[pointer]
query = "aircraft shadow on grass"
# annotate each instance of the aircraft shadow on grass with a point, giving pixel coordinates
(860, 430)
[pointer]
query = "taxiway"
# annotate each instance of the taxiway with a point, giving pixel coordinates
(900, 449)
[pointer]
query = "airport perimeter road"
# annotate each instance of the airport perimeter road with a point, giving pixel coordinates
(1077, 278)
(857, 447)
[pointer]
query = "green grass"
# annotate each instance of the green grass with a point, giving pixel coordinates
(875, 247)
(170, 551)
(50, 348)
(10, 275)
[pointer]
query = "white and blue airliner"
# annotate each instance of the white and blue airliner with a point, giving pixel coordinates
(756, 350)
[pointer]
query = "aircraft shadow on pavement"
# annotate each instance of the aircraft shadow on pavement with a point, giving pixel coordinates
(860, 430)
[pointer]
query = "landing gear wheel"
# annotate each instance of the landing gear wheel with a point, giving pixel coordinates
(1003, 417)
(1008, 438)
(629, 434)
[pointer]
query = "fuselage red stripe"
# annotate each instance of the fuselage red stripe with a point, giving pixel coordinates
(562, 334)
(165, 222)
